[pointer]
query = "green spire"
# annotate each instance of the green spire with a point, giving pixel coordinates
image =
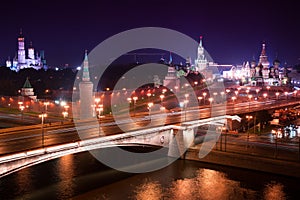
(86, 73)
(27, 84)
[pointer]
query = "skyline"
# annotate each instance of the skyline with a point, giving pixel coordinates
(232, 31)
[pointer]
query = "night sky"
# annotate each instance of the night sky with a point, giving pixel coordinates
(232, 30)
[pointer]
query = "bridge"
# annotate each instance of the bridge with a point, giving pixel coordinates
(175, 138)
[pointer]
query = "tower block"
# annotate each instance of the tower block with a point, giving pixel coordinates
(86, 92)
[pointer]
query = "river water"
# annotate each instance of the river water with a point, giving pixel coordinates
(81, 176)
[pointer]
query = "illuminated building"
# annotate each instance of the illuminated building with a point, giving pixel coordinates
(27, 90)
(261, 74)
(86, 92)
(23, 61)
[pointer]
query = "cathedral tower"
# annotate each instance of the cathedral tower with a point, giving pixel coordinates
(21, 49)
(86, 91)
(263, 58)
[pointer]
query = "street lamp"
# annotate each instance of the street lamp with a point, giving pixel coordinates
(210, 101)
(268, 88)
(100, 110)
(150, 104)
(248, 117)
(233, 98)
(204, 95)
(200, 99)
(236, 92)
(97, 100)
(286, 95)
(277, 95)
(22, 109)
(65, 114)
(257, 91)
(249, 96)
(42, 116)
(265, 95)
(186, 96)
(46, 104)
(148, 95)
(134, 102)
(185, 102)
(161, 98)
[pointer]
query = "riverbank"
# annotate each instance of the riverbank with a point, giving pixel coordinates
(250, 162)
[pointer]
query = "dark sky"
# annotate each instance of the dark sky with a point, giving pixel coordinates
(233, 30)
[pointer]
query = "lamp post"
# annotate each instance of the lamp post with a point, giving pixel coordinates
(268, 88)
(65, 114)
(148, 95)
(99, 110)
(200, 99)
(265, 95)
(236, 93)
(134, 102)
(195, 83)
(275, 133)
(204, 95)
(185, 102)
(277, 95)
(257, 91)
(46, 104)
(22, 109)
(210, 101)
(249, 96)
(161, 98)
(233, 98)
(248, 117)
(150, 104)
(42, 116)
(286, 95)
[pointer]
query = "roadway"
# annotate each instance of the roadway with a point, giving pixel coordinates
(59, 133)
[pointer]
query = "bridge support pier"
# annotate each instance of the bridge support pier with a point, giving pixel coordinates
(180, 141)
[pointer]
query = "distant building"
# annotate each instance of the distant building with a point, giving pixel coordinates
(27, 90)
(30, 60)
(259, 74)
(171, 80)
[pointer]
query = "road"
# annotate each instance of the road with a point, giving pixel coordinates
(59, 133)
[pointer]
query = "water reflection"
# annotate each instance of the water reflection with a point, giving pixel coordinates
(23, 180)
(274, 191)
(150, 190)
(66, 175)
(207, 184)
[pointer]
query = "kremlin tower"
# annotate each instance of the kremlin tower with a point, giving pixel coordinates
(86, 91)
(201, 61)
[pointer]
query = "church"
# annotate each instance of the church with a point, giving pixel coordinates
(29, 59)
(259, 74)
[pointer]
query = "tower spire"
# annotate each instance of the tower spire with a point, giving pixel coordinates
(86, 73)
(200, 44)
